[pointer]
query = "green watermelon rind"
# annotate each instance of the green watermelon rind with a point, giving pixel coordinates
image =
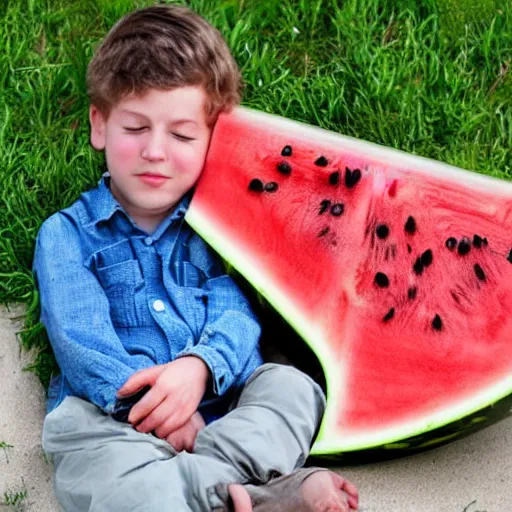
(419, 443)
(212, 233)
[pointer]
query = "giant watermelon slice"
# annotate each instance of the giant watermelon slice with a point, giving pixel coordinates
(396, 271)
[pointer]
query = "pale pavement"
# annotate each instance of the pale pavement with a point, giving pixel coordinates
(470, 475)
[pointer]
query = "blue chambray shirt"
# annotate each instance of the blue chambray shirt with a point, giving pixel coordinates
(115, 300)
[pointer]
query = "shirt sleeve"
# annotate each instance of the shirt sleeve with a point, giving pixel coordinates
(75, 312)
(230, 335)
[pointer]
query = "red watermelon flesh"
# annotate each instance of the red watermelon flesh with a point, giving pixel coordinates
(396, 270)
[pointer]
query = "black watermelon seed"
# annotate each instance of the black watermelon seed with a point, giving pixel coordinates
(389, 315)
(356, 176)
(381, 280)
(451, 243)
(477, 241)
(271, 187)
(484, 241)
(287, 151)
(464, 246)
(334, 178)
(426, 258)
(409, 249)
(410, 226)
(418, 267)
(437, 323)
(348, 177)
(256, 185)
(321, 161)
(284, 168)
(479, 272)
(382, 231)
(337, 209)
(412, 292)
(509, 257)
(324, 205)
(324, 231)
(352, 177)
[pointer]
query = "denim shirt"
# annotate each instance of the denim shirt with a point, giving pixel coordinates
(115, 300)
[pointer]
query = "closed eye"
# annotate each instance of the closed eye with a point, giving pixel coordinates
(177, 135)
(182, 137)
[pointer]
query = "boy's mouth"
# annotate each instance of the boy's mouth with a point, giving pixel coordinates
(154, 180)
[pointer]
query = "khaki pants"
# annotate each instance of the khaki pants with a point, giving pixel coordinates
(102, 465)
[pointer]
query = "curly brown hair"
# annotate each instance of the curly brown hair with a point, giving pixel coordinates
(164, 47)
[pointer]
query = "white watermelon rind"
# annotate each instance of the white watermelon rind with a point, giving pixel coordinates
(330, 440)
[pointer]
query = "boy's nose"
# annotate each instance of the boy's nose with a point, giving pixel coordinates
(154, 148)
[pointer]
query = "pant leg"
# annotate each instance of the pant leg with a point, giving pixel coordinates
(271, 428)
(102, 465)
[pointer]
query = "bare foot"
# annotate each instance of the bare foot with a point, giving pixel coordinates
(326, 491)
(323, 491)
(240, 498)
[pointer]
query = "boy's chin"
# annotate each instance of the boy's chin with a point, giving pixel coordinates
(157, 208)
(150, 208)
(154, 200)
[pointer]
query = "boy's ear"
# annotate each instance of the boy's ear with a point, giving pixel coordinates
(97, 128)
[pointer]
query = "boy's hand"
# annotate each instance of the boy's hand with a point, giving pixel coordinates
(184, 437)
(176, 390)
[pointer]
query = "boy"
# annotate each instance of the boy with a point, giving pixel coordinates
(163, 402)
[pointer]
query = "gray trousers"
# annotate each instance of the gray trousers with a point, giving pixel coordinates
(102, 465)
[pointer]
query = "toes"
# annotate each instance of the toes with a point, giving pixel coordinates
(348, 487)
(334, 503)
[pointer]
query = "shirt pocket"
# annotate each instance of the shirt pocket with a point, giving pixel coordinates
(121, 278)
(188, 275)
(121, 283)
(192, 264)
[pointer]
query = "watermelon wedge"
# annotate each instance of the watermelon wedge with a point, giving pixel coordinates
(396, 271)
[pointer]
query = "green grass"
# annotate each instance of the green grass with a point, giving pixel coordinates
(429, 77)
(15, 499)
(6, 447)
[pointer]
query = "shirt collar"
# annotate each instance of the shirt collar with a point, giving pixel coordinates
(105, 204)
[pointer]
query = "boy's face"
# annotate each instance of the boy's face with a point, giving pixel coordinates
(155, 146)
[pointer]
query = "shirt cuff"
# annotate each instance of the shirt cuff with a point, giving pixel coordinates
(123, 406)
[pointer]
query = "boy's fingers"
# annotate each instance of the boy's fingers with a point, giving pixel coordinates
(173, 423)
(189, 429)
(177, 440)
(198, 421)
(146, 377)
(144, 407)
(181, 439)
(184, 437)
(152, 414)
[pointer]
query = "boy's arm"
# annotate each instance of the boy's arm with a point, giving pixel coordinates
(75, 312)
(230, 335)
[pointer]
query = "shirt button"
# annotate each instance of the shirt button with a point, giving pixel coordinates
(148, 240)
(158, 305)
